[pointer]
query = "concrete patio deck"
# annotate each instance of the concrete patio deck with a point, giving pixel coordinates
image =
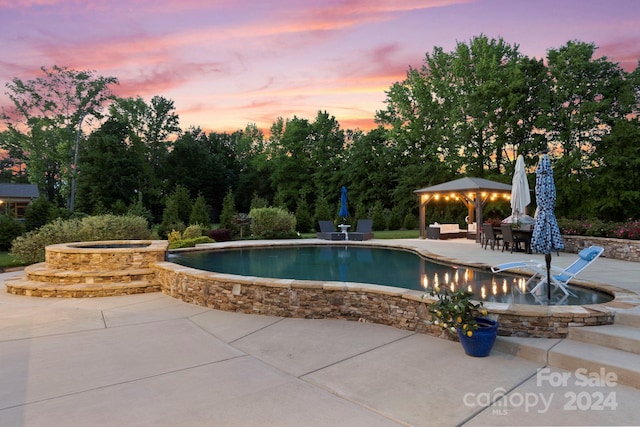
(151, 360)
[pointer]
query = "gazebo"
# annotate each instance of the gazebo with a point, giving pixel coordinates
(473, 192)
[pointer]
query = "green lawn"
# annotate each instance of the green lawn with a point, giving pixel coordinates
(387, 234)
(7, 260)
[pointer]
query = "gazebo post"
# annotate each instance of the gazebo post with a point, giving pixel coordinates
(479, 204)
(424, 199)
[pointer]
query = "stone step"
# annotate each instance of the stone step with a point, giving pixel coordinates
(23, 286)
(621, 337)
(628, 317)
(573, 355)
(40, 273)
(535, 349)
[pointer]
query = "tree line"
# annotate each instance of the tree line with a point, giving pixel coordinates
(467, 112)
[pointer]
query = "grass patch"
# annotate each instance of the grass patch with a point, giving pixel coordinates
(7, 261)
(387, 234)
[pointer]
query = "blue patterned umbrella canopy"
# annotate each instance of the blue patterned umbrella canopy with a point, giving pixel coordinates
(344, 212)
(546, 233)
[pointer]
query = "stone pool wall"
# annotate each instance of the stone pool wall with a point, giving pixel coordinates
(401, 308)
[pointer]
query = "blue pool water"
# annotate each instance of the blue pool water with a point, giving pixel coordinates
(379, 266)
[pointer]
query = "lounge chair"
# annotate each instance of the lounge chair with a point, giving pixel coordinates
(328, 231)
(560, 277)
(363, 230)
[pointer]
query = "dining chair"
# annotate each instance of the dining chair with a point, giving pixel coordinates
(490, 237)
(510, 241)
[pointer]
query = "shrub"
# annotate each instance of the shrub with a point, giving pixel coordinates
(174, 236)
(410, 221)
(9, 230)
(379, 220)
(199, 213)
(272, 223)
(629, 229)
(40, 212)
(170, 219)
(395, 220)
(192, 232)
(220, 234)
(189, 243)
(29, 248)
(323, 211)
(258, 202)
(112, 227)
(138, 209)
(304, 220)
(228, 211)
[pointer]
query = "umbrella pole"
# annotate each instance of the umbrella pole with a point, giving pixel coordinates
(547, 258)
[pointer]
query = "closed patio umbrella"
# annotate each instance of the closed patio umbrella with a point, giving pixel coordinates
(546, 233)
(344, 212)
(520, 193)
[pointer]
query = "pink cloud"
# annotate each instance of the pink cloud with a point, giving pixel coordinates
(626, 52)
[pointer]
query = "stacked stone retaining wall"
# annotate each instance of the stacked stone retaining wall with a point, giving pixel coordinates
(400, 308)
(623, 249)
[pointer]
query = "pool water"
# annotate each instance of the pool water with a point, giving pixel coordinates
(378, 266)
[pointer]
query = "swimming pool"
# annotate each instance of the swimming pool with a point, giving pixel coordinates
(372, 265)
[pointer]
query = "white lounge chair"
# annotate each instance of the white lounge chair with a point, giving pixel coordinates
(560, 277)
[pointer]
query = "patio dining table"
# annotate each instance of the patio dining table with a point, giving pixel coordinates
(525, 236)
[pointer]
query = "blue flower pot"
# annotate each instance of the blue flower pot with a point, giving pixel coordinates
(481, 342)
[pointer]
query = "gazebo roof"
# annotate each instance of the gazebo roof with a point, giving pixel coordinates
(467, 184)
(18, 191)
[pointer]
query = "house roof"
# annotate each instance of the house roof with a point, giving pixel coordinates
(463, 185)
(19, 191)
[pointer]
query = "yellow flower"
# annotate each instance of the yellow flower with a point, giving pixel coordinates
(484, 311)
(459, 319)
(469, 333)
(465, 326)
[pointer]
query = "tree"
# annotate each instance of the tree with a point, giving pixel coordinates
(468, 111)
(228, 211)
(326, 142)
(588, 96)
(110, 172)
(46, 124)
(255, 168)
(372, 172)
(199, 214)
(291, 159)
(151, 128)
(193, 165)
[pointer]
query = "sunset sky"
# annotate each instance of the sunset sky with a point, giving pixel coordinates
(227, 63)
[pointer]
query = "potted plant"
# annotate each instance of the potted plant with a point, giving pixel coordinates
(456, 313)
